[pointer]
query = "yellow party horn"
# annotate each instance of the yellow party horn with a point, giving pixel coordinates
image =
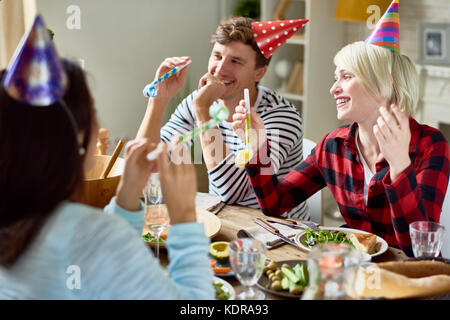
(244, 156)
(248, 120)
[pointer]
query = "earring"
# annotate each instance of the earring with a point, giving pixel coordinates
(81, 151)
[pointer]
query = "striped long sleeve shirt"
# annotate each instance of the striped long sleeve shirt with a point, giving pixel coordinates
(284, 131)
(417, 193)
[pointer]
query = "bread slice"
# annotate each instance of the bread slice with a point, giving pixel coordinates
(416, 269)
(390, 280)
(364, 242)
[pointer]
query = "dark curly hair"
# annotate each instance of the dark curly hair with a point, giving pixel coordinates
(239, 29)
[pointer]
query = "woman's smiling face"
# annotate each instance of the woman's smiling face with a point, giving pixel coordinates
(353, 101)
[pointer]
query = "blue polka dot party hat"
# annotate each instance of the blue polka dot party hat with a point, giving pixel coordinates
(35, 75)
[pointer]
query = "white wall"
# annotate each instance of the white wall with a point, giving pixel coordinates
(123, 42)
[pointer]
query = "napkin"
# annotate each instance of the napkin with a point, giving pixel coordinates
(206, 200)
(270, 240)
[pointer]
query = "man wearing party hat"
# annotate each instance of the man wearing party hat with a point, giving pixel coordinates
(384, 169)
(239, 59)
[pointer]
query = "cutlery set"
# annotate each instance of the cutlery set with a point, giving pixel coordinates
(266, 224)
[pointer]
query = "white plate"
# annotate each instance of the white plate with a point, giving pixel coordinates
(226, 287)
(212, 225)
(383, 249)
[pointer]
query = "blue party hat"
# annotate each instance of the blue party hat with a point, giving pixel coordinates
(35, 75)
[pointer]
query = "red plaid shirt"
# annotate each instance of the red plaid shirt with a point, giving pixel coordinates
(417, 194)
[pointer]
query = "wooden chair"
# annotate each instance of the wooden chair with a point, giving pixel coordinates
(103, 141)
(314, 202)
(445, 220)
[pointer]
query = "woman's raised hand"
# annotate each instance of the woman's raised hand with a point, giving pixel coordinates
(393, 135)
(257, 132)
(135, 174)
(179, 188)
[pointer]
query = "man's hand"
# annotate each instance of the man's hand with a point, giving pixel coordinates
(151, 124)
(169, 88)
(210, 88)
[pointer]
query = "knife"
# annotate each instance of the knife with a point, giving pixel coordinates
(275, 231)
(215, 209)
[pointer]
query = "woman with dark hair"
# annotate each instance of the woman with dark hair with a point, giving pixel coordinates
(53, 248)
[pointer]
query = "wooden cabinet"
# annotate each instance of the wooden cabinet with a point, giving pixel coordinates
(311, 51)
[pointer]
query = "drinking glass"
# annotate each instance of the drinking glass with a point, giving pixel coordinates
(154, 189)
(427, 238)
(247, 258)
(156, 214)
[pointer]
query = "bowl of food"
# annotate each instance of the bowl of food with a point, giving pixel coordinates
(223, 289)
(287, 279)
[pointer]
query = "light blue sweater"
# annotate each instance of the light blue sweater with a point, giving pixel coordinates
(84, 253)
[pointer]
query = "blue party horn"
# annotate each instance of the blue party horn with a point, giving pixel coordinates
(150, 90)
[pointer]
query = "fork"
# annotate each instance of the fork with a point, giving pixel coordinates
(295, 224)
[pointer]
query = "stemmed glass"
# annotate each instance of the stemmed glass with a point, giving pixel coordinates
(247, 258)
(156, 215)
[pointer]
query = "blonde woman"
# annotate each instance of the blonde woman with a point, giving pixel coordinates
(384, 169)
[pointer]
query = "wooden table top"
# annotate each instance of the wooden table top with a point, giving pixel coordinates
(235, 218)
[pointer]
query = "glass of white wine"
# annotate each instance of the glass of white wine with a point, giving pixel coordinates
(156, 214)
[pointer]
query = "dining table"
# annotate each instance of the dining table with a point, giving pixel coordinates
(236, 217)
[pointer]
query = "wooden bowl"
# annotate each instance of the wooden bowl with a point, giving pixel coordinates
(98, 192)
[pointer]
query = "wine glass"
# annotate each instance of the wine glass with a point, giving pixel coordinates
(156, 214)
(247, 258)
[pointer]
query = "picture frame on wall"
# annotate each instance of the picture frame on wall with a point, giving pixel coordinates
(434, 43)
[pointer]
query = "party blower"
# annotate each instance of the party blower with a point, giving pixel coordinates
(151, 90)
(245, 154)
(217, 112)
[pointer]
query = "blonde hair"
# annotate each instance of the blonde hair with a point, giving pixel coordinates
(383, 73)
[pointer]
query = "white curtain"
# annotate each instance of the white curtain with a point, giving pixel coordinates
(16, 16)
